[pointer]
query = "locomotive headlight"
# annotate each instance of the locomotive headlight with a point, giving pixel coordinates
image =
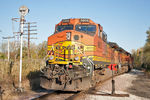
(68, 35)
(51, 57)
(76, 58)
(88, 67)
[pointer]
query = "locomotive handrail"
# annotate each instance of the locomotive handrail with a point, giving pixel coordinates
(45, 60)
(89, 60)
(86, 56)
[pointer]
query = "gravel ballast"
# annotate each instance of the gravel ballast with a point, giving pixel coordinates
(133, 83)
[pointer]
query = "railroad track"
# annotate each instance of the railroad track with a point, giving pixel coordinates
(55, 95)
(44, 96)
(69, 95)
(91, 90)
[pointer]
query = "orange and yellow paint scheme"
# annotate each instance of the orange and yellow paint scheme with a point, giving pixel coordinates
(79, 54)
(66, 45)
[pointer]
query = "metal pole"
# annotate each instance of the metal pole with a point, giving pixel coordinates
(113, 81)
(23, 10)
(8, 50)
(28, 41)
(21, 30)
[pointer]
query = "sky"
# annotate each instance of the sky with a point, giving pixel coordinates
(124, 21)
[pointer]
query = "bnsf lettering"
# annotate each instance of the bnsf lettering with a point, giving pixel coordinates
(65, 47)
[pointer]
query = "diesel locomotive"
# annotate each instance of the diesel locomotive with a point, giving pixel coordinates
(79, 55)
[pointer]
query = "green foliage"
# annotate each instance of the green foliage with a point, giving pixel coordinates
(142, 55)
(25, 52)
(147, 51)
(2, 56)
(138, 57)
(148, 36)
(33, 51)
(42, 50)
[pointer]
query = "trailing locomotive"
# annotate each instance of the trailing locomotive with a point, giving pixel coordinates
(79, 54)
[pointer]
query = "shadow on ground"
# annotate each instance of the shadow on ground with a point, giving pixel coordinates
(141, 86)
(34, 79)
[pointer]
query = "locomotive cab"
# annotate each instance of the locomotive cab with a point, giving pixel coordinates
(72, 40)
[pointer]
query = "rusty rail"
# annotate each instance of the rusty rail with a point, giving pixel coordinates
(44, 96)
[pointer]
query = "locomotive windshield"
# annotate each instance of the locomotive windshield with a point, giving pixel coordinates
(63, 27)
(88, 29)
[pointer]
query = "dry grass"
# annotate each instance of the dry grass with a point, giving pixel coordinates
(9, 73)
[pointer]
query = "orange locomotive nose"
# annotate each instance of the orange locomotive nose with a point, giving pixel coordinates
(66, 35)
(56, 38)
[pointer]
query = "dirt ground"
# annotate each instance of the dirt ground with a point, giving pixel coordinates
(29, 87)
(140, 86)
(134, 83)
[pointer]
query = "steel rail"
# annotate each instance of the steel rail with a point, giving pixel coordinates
(44, 96)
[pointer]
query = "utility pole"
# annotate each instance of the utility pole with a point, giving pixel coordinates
(29, 26)
(16, 35)
(23, 10)
(8, 46)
